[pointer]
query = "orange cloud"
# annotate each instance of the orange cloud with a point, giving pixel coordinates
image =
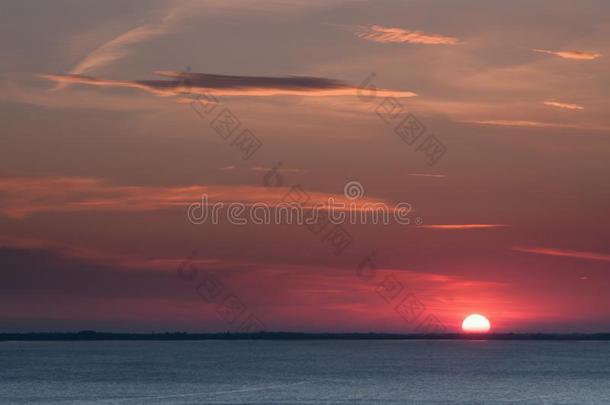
(578, 55)
(26, 196)
(604, 257)
(563, 105)
(22, 197)
(463, 226)
(386, 35)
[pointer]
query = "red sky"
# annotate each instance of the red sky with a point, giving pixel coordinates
(101, 155)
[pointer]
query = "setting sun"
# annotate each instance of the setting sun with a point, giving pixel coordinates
(476, 323)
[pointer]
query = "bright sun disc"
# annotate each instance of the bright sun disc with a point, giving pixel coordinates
(475, 323)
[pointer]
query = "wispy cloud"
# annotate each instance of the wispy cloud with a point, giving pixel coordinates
(262, 169)
(281, 169)
(604, 257)
(426, 175)
(538, 124)
(119, 47)
(578, 55)
(21, 197)
(24, 196)
(116, 48)
(386, 35)
(566, 106)
(522, 123)
(226, 85)
(122, 260)
(463, 226)
(79, 98)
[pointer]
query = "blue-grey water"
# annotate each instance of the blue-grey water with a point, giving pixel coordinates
(305, 372)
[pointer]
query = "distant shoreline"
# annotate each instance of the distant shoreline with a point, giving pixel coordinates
(173, 336)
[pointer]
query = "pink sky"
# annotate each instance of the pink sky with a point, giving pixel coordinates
(102, 152)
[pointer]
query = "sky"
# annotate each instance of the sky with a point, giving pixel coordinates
(110, 133)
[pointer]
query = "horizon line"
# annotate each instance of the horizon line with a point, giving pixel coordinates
(89, 335)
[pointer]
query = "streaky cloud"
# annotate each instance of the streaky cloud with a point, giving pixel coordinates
(119, 47)
(377, 33)
(26, 196)
(463, 226)
(566, 106)
(115, 49)
(92, 255)
(578, 55)
(426, 175)
(285, 170)
(523, 123)
(576, 254)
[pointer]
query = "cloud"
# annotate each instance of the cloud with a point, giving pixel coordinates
(426, 175)
(563, 105)
(523, 123)
(21, 197)
(263, 169)
(387, 35)
(116, 48)
(578, 55)
(538, 124)
(227, 85)
(80, 99)
(604, 257)
(463, 226)
(24, 196)
(119, 47)
(46, 280)
(94, 255)
(281, 169)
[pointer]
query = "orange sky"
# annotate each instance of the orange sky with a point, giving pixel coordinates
(102, 152)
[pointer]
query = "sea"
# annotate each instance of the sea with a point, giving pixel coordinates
(305, 372)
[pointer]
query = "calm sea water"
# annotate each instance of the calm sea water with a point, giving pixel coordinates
(309, 372)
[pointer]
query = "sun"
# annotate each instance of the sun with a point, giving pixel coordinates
(476, 323)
